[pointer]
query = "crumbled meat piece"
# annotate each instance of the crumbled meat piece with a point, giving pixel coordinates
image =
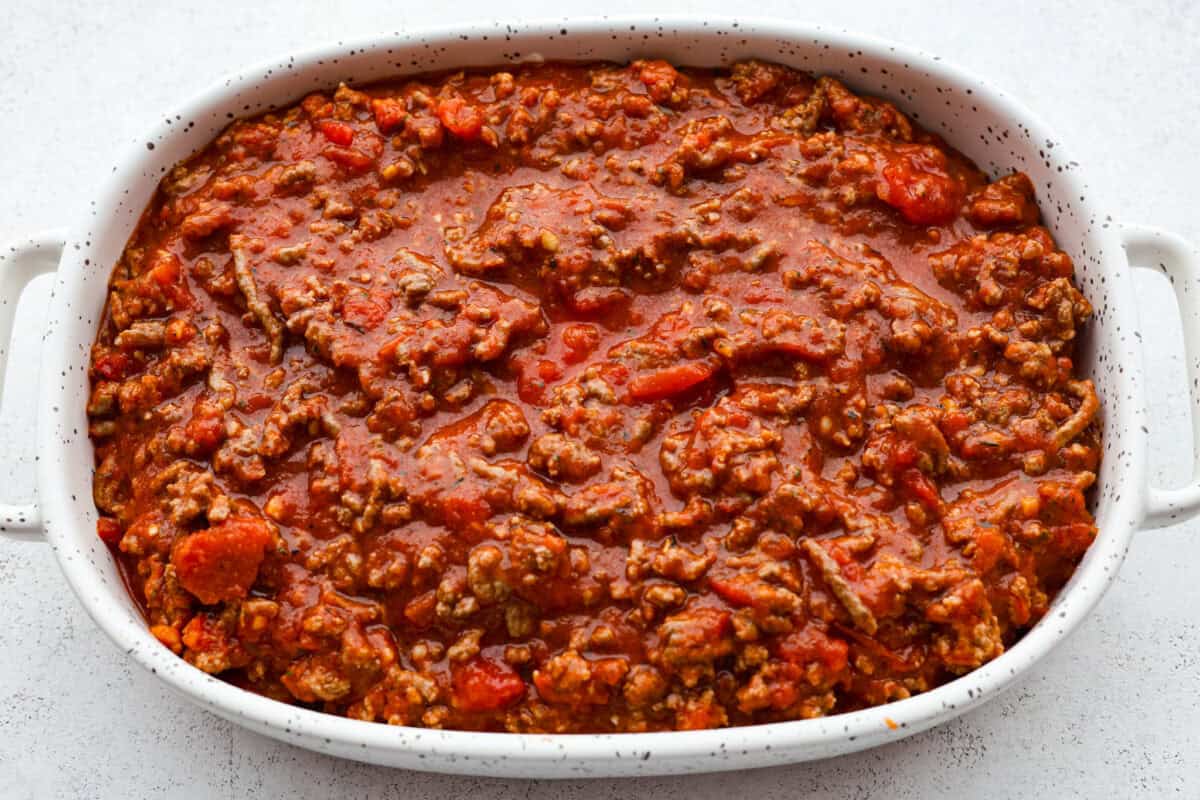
(831, 573)
(254, 300)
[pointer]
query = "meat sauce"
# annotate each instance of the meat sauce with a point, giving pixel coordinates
(585, 397)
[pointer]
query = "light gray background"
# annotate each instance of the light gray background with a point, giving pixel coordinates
(1112, 713)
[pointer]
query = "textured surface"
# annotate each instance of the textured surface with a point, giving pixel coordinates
(80, 721)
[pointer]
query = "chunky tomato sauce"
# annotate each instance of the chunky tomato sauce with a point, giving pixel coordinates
(591, 398)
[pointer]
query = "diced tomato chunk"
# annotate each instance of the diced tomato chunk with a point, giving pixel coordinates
(534, 377)
(338, 133)
(660, 79)
(366, 311)
(179, 331)
(811, 644)
(166, 273)
(389, 112)
(699, 717)
(316, 105)
(461, 118)
(548, 370)
(111, 366)
(204, 633)
(670, 381)
(461, 510)
(904, 454)
(109, 531)
(989, 547)
(581, 341)
(954, 421)
(221, 562)
(530, 388)
(920, 487)
(349, 157)
(420, 610)
(1073, 540)
(484, 684)
(591, 300)
(206, 429)
(734, 591)
(917, 184)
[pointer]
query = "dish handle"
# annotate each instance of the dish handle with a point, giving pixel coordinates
(20, 263)
(1151, 248)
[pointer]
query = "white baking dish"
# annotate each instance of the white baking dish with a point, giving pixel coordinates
(991, 128)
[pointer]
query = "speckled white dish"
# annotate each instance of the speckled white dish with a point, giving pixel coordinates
(988, 126)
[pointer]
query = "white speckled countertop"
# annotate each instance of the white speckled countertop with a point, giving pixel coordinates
(1112, 713)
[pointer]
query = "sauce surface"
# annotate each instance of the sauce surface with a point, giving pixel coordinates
(587, 397)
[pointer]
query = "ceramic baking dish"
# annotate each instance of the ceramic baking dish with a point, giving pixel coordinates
(988, 126)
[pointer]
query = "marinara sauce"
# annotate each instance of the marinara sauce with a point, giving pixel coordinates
(584, 397)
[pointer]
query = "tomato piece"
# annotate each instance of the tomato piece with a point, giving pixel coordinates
(811, 644)
(389, 112)
(915, 182)
(461, 118)
(923, 489)
(548, 370)
(534, 377)
(165, 270)
(169, 637)
(204, 633)
(421, 609)
(735, 590)
(111, 366)
(596, 299)
(350, 158)
(221, 562)
(530, 388)
(109, 531)
(989, 547)
(484, 684)
(387, 352)
(338, 133)
(954, 422)
(905, 454)
(166, 273)
(317, 105)
(179, 331)
(659, 78)
(1073, 539)
(206, 429)
(463, 509)
(366, 311)
(581, 341)
(699, 717)
(670, 381)
(256, 402)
